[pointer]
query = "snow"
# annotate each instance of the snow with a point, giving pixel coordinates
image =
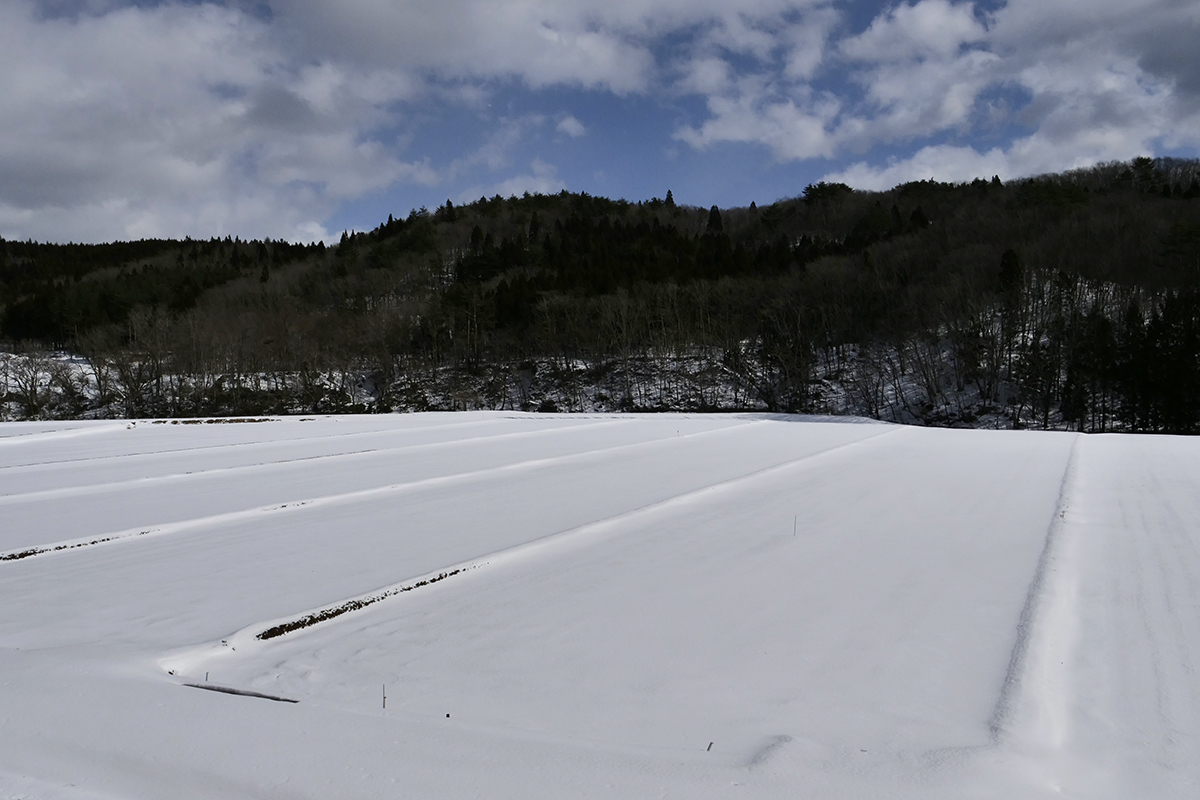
(841, 610)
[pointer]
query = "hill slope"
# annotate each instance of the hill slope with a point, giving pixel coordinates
(1065, 301)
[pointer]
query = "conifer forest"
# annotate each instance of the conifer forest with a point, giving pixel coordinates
(1068, 301)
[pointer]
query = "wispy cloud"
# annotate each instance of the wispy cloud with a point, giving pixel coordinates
(542, 178)
(571, 127)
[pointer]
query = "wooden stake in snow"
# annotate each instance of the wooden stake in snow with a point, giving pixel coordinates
(710, 744)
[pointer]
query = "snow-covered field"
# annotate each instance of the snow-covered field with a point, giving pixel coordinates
(596, 606)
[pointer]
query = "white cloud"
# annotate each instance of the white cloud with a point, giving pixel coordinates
(571, 127)
(1094, 80)
(918, 98)
(592, 44)
(1042, 152)
(706, 75)
(927, 29)
(178, 120)
(542, 178)
(941, 162)
(791, 130)
(124, 120)
(917, 80)
(806, 43)
(194, 119)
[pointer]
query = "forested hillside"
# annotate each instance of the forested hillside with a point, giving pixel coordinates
(1066, 300)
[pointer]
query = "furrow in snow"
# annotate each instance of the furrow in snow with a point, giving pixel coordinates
(267, 466)
(41, 437)
(341, 498)
(275, 443)
(211, 687)
(104, 488)
(271, 629)
(1030, 707)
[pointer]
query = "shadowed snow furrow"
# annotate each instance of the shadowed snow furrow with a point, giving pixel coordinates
(41, 437)
(264, 445)
(162, 480)
(341, 498)
(267, 466)
(1035, 613)
(275, 628)
(239, 692)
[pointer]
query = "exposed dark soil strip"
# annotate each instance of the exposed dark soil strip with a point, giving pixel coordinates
(214, 421)
(324, 614)
(228, 690)
(37, 551)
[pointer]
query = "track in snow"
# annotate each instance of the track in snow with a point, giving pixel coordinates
(840, 610)
(609, 526)
(300, 504)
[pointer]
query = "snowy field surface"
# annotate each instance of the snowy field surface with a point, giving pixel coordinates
(595, 606)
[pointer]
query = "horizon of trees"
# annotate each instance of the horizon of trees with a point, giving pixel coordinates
(1068, 300)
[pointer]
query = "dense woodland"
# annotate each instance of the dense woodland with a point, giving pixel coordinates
(1062, 301)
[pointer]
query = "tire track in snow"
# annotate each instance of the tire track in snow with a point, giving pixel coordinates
(1032, 702)
(342, 498)
(140, 483)
(253, 636)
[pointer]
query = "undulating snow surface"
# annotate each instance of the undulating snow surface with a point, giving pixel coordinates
(596, 606)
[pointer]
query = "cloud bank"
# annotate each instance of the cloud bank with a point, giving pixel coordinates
(131, 120)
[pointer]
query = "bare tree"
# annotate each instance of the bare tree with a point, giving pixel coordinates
(30, 378)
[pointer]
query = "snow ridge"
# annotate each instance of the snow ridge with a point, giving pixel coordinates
(1034, 613)
(274, 464)
(334, 499)
(263, 631)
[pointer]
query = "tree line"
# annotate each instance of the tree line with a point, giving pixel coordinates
(1061, 301)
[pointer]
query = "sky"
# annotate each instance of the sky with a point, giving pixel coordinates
(298, 119)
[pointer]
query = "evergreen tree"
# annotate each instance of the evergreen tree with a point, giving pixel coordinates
(714, 221)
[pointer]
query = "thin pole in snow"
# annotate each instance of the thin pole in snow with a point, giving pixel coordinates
(795, 520)
(385, 695)
(206, 677)
(710, 744)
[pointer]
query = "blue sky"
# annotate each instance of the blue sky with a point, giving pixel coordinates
(300, 118)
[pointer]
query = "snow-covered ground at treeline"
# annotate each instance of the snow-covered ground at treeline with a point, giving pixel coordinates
(596, 606)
